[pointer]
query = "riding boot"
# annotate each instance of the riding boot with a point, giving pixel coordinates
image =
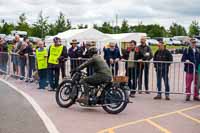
(85, 97)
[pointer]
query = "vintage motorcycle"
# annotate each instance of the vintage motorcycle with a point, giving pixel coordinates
(112, 97)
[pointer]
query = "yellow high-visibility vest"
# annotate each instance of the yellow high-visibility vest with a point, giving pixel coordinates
(55, 53)
(41, 57)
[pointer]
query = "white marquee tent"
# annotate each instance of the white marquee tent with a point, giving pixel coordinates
(127, 37)
(82, 35)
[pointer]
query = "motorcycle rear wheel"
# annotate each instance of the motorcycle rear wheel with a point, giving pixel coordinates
(115, 100)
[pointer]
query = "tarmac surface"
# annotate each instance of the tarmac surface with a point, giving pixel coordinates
(144, 115)
(16, 113)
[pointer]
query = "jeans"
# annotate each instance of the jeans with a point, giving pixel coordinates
(63, 69)
(163, 74)
(22, 63)
(189, 79)
(31, 67)
(3, 67)
(54, 74)
(42, 78)
(143, 67)
(132, 79)
(114, 68)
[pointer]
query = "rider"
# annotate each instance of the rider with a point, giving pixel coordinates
(101, 74)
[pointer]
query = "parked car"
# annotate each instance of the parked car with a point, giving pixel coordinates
(9, 39)
(2, 35)
(152, 42)
(168, 41)
(197, 37)
(34, 39)
(183, 39)
(176, 42)
(198, 43)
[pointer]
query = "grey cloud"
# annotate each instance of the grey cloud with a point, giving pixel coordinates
(91, 11)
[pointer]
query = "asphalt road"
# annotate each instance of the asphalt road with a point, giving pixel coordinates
(143, 115)
(16, 113)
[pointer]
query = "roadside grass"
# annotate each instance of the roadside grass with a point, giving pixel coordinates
(170, 47)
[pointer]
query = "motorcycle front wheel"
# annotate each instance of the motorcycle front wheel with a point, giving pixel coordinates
(63, 94)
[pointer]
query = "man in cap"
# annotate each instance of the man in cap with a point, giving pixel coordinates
(191, 55)
(75, 53)
(56, 55)
(162, 69)
(101, 74)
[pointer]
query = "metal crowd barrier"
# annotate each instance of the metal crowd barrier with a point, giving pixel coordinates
(4, 63)
(24, 67)
(175, 74)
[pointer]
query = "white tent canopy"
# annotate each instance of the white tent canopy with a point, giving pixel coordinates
(82, 35)
(127, 37)
(89, 34)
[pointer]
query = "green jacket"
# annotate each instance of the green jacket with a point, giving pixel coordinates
(99, 65)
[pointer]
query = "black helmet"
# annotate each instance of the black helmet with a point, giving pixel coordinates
(92, 51)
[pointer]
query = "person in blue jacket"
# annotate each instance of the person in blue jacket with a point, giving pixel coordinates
(112, 57)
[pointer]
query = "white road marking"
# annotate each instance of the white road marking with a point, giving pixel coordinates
(46, 120)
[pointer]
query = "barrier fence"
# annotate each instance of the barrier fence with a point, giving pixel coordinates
(156, 72)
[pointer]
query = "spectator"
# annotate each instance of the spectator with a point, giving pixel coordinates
(147, 56)
(132, 54)
(16, 50)
(162, 69)
(57, 53)
(191, 55)
(41, 57)
(30, 61)
(15, 59)
(18, 44)
(112, 57)
(22, 60)
(75, 53)
(3, 56)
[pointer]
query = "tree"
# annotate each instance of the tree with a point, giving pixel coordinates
(152, 30)
(106, 28)
(6, 28)
(41, 27)
(22, 25)
(62, 24)
(177, 30)
(138, 28)
(52, 30)
(124, 27)
(95, 26)
(194, 29)
(81, 26)
(156, 30)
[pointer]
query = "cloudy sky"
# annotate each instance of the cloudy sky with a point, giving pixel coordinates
(162, 12)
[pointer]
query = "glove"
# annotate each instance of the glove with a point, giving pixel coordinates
(74, 70)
